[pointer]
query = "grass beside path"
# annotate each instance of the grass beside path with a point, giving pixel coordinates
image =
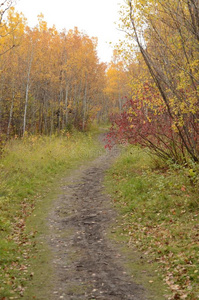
(29, 171)
(159, 209)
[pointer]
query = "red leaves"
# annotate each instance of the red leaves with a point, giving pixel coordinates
(150, 127)
(137, 124)
(183, 188)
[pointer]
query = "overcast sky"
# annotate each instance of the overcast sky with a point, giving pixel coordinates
(94, 17)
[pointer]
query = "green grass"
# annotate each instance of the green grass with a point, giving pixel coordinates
(30, 170)
(160, 217)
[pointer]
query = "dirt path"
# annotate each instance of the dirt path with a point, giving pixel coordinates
(87, 265)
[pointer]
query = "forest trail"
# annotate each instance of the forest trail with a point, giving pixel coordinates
(87, 265)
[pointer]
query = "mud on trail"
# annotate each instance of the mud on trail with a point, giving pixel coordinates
(87, 265)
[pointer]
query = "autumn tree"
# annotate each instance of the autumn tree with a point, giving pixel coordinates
(15, 24)
(5, 29)
(164, 36)
(117, 87)
(50, 81)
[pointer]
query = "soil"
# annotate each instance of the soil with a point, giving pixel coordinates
(87, 264)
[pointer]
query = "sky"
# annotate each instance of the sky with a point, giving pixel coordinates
(95, 18)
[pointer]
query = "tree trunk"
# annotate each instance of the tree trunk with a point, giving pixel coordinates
(27, 93)
(11, 113)
(84, 106)
(66, 104)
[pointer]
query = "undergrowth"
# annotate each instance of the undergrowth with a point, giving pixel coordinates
(27, 167)
(160, 217)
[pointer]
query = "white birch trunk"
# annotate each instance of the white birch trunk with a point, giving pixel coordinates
(27, 93)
